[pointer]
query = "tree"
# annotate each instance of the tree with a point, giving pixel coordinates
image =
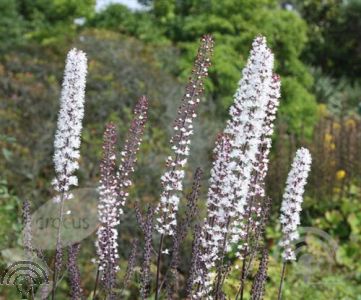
(11, 25)
(51, 21)
(335, 36)
(234, 24)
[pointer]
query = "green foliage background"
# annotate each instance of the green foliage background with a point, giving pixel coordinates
(317, 51)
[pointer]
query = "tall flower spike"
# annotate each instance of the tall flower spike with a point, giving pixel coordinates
(246, 127)
(67, 137)
(131, 147)
(172, 179)
(292, 200)
(107, 246)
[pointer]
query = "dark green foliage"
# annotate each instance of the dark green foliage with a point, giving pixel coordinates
(335, 35)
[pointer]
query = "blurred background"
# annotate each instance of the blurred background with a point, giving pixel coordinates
(147, 47)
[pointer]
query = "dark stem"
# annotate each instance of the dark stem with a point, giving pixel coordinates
(282, 279)
(243, 273)
(243, 276)
(57, 245)
(96, 283)
(158, 267)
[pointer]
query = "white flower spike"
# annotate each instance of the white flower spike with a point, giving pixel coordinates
(292, 200)
(67, 138)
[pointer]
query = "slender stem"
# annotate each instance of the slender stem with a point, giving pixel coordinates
(96, 283)
(57, 245)
(243, 273)
(158, 267)
(243, 277)
(282, 279)
(252, 256)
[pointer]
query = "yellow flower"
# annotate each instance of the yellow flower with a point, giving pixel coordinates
(350, 123)
(336, 126)
(336, 190)
(340, 174)
(322, 110)
(328, 138)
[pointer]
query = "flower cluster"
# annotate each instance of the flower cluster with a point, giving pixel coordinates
(292, 200)
(113, 189)
(238, 159)
(246, 128)
(129, 153)
(261, 166)
(251, 216)
(107, 245)
(172, 179)
(67, 137)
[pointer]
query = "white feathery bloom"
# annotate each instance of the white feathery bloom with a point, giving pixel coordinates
(292, 200)
(69, 126)
(246, 127)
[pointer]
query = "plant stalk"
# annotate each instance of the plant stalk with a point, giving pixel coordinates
(158, 267)
(282, 280)
(96, 283)
(57, 245)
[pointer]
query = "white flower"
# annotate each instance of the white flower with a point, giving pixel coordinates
(237, 158)
(245, 127)
(292, 200)
(67, 136)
